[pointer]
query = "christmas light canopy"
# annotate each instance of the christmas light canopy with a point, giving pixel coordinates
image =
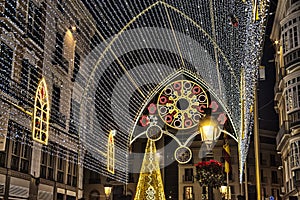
(125, 65)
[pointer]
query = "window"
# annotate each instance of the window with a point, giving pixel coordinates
(295, 154)
(21, 147)
(284, 43)
(2, 158)
(188, 193)
(56, 98)
(61, 164)
(16, 12)
(59, 59)
(264, 193)
(48, 161)
(60, 5)
(76, 66)
(30, 76)
(298, 88)
(188, 175)
(262, 175)
(291, 39)
(72, 169)
(58, 48)
(295, 35)
(70, 198)
(11, 9)
(295, 98)
(293, 95)
(6, 61)
(36, 22)
(94, 178)
(56, 116)
(273, 160)
(74, 117)
(60, 196)
(274, 177)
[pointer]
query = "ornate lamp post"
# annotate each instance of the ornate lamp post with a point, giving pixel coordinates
(107, 190)
(210, 131)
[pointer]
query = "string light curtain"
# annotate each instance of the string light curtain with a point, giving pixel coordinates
(121, 52)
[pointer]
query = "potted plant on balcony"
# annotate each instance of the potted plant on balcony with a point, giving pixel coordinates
(209, 173)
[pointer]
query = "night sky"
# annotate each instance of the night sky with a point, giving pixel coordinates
(267, 116)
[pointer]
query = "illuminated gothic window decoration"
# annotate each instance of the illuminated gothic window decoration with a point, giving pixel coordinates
(181, 104)
(111, 152)
(40, 124)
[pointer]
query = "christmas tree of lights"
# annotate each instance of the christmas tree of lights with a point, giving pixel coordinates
(150, 185)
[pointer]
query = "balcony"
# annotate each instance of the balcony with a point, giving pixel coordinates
(278, 88)
(283, 132)
(291, 59)
(37, 38)
(58, 118)
(19, 95)
(264, 179)
(187, 179)
(14, 19)
(61, 61)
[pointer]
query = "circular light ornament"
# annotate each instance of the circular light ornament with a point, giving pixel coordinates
(183, 154)
(154, 133)
(181, 104)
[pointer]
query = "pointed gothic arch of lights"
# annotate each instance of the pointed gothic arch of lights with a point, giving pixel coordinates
(136, 79)
(138, 48)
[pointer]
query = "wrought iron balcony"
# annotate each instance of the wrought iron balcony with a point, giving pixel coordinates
(284, 129)
(61, 61)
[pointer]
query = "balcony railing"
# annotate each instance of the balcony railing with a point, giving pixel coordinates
(284, 129)
(58, 118)
(292, 58)
(22, 96)
(58, 59)
(188, 179)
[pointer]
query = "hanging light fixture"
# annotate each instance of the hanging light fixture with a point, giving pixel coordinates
(107, 190)
(209, 128)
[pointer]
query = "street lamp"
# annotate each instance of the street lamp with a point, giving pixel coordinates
(107, 190)
(209, 130)
(225, 191)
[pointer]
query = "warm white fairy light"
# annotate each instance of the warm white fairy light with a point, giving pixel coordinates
(130, 60)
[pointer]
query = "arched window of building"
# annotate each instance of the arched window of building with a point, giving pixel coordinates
(94, 195)
(69, 48)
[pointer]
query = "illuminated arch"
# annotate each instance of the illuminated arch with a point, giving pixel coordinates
(41, 114)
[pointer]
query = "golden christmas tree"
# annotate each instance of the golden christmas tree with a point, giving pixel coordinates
(150, 185)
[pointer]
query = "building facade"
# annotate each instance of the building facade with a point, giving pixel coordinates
(50, 39)
(271, 181)
(285, 35)
(40, 39)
